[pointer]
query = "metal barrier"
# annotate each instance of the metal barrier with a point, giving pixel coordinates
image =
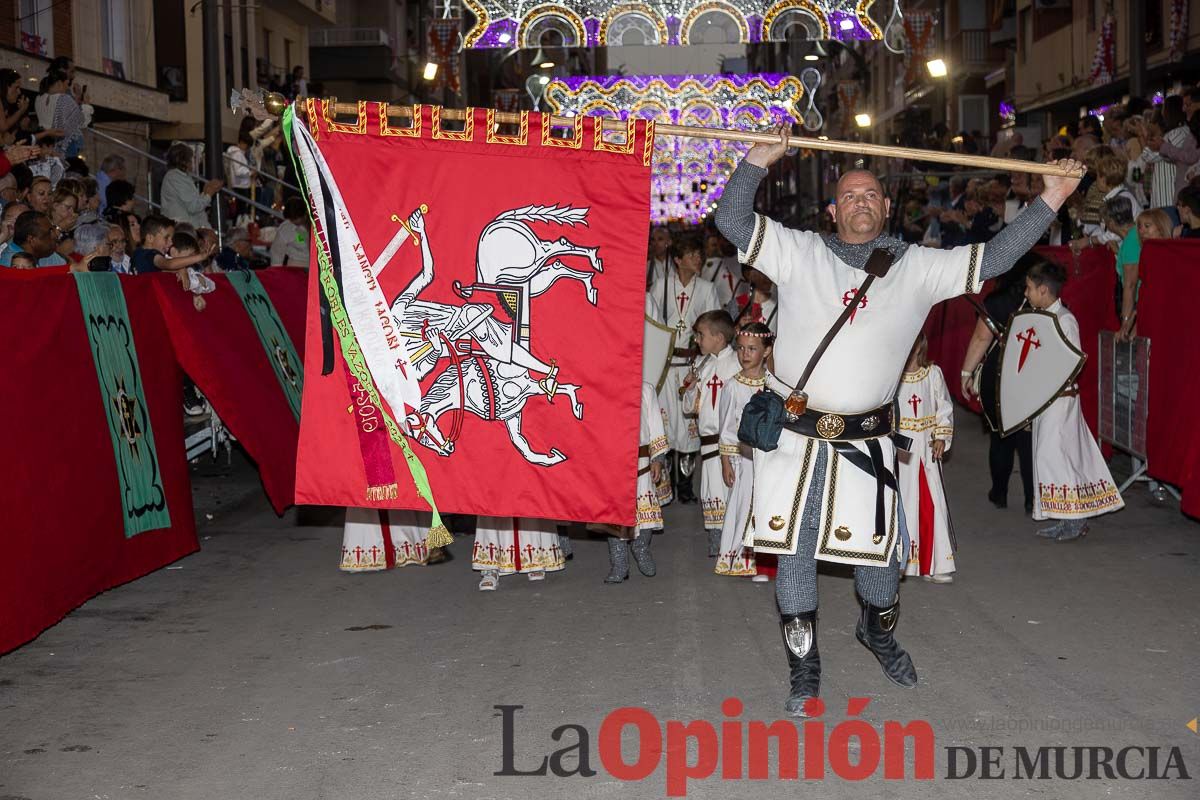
(206, 433)
(198, 178)
(1123, 373)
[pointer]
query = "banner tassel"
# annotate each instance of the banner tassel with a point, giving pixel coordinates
(439, 536)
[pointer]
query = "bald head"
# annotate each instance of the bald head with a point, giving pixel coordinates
(859, 208)
(859, 174)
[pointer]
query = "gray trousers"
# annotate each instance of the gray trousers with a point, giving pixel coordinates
(796, 583)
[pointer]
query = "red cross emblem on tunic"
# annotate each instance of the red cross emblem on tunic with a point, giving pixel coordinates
(715, 384)
(848, 297)
(1027, 339)
(914, 401)
(682, 298)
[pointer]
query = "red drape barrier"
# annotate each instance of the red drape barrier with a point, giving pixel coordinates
(1170, 270)
(1089, 295)
(63, 539)
(219, 349)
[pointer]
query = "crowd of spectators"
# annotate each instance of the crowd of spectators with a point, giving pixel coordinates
(1143, 182)
(59, 212)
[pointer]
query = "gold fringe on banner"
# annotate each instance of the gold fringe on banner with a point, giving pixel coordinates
(439, 536)
(388, 491)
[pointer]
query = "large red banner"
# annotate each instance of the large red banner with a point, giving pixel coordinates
(489, 281)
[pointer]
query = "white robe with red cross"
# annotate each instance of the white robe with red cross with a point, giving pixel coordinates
(682, 304)
(516, 544)
(1070, 474)
(704, 399)
(377, 538)
(858, 374)
(926, 416)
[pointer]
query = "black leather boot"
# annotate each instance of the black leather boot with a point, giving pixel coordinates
(683, 481)
(874, 630)
(804, 661)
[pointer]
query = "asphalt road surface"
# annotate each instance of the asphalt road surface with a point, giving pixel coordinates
(255, 670)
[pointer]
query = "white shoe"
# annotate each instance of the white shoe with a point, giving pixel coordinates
(761, 578)
(537, 575)
(489, 581)
(945, 578)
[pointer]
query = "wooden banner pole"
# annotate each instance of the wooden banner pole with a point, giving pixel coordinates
(766, 137)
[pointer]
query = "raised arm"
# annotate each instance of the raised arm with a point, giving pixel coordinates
(416, 223)
(1023, 232)
(735, 209)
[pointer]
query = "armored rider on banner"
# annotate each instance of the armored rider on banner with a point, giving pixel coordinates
(827, 490)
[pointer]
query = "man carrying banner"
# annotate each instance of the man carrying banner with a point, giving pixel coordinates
(828, 490)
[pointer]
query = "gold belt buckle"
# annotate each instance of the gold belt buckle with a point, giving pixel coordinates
(831, 426)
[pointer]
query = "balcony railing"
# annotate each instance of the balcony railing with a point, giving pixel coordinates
(348, 37)
(973, 48)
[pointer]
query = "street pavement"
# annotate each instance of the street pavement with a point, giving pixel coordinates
(255, 669)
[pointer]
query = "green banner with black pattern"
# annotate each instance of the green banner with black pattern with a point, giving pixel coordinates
(110, 336)
(289, 370)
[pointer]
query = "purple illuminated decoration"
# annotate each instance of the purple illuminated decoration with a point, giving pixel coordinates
(603, 23)
(688, 174)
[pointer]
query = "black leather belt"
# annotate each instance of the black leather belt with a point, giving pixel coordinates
(835, 427)
(682, 352)
(841, 429)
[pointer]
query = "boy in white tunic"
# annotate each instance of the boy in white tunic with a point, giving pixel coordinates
(510, 545)
(678, 300)
(652, 446)
(754, 343)
(927, 418)
(1070, 476)
(827, 489)
(702, 396)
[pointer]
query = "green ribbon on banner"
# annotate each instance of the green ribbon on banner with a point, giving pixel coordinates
(439, 535)
(110, 336)
(289, 370)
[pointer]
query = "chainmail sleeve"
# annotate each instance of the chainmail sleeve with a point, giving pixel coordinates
(735, 209)
(1014, 241)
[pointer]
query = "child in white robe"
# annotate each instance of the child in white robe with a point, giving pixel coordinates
(926, 417)
(676, 301)
(371, 532)
(1071, 479)
(702, 396)
(652, 446)
(754, 344)
(509, 545)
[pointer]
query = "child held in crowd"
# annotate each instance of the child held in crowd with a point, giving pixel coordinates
(152, 256)
(184, 245)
